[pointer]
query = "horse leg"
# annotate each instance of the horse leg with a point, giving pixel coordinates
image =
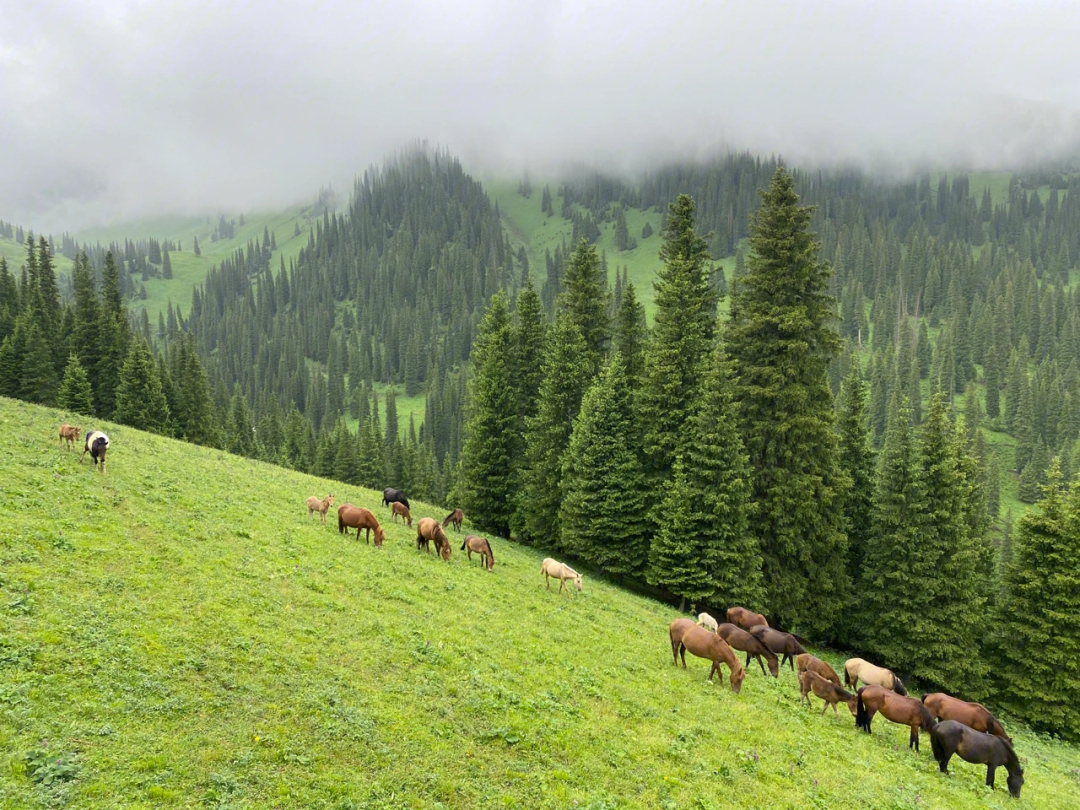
(990, 776)
(913, 739)
(834, 711)
(760, 664)
(547, 581)
(747, 659)
(825, 705)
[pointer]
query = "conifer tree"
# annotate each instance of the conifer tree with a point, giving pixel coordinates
(584, 299)
(197, 419)
(631, 334)
(781, 343)
(240, 436)
(111, 340)
(38, 379)
(140, 401)
(530, 335)
(75, 393)
(166, 265)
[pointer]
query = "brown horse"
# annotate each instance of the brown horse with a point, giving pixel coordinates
(739, 639)
(428, 530)
(972, 715)
(831, 693)
(454, 517)
(685, 635)
(741, 617)
(356, 517)
(69, 434)
(907, 711)
(480, 546)
(952, 737)
(805, 662)
(319, 505)
(856, 668)
(779, 642)
(397, 508)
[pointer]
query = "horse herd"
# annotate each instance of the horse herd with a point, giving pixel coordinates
(955, 726)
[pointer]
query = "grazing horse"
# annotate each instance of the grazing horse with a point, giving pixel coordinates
(907, 711)
(953, 737)
(397, 508)
(428, 530)
(741, 617)
(831, 693)
(856, 668)
(739, 639)
(390, 496)
(70, 434)
(779, 642)
(808, 663)
(319, 505)
(561, 571)
(973, 715)
(685, 635)
(356, 517)
(480, 546)
(454, 517)
(705, 620)
(96, 444)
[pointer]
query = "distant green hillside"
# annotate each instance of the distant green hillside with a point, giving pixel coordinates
(178, 633)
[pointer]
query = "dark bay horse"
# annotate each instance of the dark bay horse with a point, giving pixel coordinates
(356, 517)
(907, 711)
(739, 639)
(480, 546)
(952, 737)
(454, 517)
(973, 715)
(741, 617)
(390, 496)
(398, 508)
(831, 693)
(779, 642)
(686, 635)
(429, 531)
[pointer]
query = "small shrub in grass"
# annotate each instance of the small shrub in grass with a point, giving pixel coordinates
(47, 768)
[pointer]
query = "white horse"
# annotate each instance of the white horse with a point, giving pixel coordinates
(705, 620)
(560, 571)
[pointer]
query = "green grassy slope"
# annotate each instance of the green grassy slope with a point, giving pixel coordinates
(180, 634)
(16, 257)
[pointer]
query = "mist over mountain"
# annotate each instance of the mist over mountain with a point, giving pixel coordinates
(115, 110)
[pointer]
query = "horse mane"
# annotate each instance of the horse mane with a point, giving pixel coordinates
(928, 720)
(490, 553)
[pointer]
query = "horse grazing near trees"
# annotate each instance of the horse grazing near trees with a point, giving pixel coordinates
(321, 506)
(561, 571)
(808, 663)
(739, 639)
(953, 737)
(907, 711)
(357, 517)
(705, 620)
(746, 619)
(97, 443)
(399, 509)
(856, 668)
(429, 531)
(69, 434)
(831, 693)
(480, 546)
(454, 517)
(973, 715)
(685, 635)
(779, 642)
(390, 496)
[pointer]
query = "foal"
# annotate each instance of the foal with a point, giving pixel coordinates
(398, 509)
(321, 506)
(831, 693)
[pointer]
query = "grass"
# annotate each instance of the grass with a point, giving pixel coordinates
(178, 633)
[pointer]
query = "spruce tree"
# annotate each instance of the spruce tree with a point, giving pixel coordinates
(239, 429)
(38, 379)
(584, 299)
(631, 334)
(140, 400)
(530, 334)
(603, 516)
(781, 342)
(75, 393)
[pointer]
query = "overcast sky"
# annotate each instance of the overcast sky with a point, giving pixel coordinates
(115, 110)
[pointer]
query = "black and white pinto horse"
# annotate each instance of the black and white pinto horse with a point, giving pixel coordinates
(96, 445)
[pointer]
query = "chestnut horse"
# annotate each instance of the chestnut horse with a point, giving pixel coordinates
(69, 434)
(808, 663)
(741, 617)
(907, 711)
(779, 642)
(480, 546)
(856, 668)
(739, 639)
(972, 715)
(428, 530)
(356, 517)
(685, 635)
(398, 508)
(952, 737)
(454, 517)
(831, 693)
(319, 505)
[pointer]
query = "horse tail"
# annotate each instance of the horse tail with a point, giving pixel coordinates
(340, 523)
(860, 712)
(898, 686)
(463, 542)
(937, 746)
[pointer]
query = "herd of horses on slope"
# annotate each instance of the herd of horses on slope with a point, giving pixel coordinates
(955, 726)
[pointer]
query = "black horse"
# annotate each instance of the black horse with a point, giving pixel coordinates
(952, 737)
(390, 496)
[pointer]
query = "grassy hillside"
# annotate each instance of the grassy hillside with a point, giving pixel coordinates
(178, 633)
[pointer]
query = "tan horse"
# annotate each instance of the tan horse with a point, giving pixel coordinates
(356, 517)
(856, 669)
(972, 715)
(907, 711)
(741, 617)
(429, 531)
(69, 434)
(454, 517)
(805, 662)
(553, 569)
(321, 506)
(399, 509)
(685, 635)
(480, 546)
(831, 693)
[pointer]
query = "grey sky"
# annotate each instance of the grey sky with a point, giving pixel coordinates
(114, 110)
